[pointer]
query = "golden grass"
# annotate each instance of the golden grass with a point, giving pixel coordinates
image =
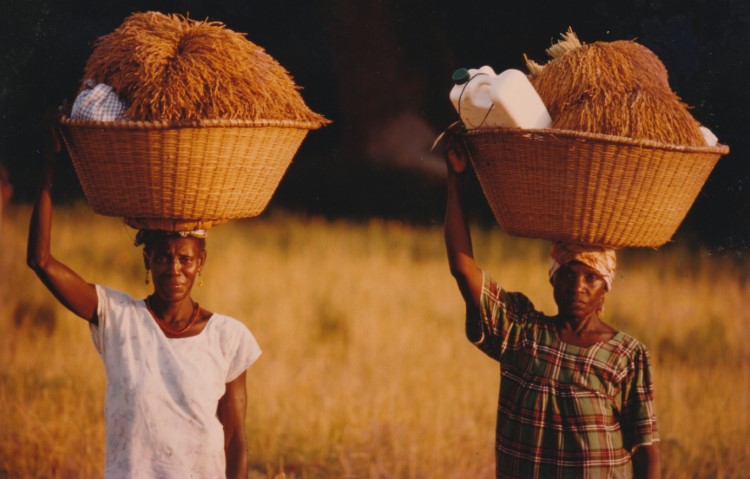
(365, 371)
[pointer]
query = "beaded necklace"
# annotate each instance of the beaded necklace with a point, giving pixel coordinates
(163, 325)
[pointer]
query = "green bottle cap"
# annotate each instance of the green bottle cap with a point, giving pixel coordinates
(461, 76)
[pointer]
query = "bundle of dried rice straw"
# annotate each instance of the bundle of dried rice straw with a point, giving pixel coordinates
(169, 67)
(616, 88)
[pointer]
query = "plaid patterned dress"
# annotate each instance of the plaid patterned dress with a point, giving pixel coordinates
(564, 411)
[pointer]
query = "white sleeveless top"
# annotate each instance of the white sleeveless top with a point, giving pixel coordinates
(162, 393)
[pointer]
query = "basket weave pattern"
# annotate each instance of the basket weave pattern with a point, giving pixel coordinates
(173, 176)
(588, 188)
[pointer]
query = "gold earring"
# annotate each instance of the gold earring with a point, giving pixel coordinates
(200, 279)
(147, 280)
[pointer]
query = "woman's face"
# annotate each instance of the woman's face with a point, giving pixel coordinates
(174, 264)
(579, 290)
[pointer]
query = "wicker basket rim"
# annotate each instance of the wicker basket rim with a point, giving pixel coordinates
(166, 125)
(542, 134)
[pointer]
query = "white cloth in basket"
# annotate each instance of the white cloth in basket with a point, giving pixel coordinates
(99, 102)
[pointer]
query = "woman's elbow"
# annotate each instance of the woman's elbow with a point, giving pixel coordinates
(469, 282)
(39, 262)
(461, 269)
(461, 276)
(456, 270)
(34, 263)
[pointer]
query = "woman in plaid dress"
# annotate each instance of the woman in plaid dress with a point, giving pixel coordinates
(576, 396)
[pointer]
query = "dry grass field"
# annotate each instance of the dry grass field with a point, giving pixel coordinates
(365, 372)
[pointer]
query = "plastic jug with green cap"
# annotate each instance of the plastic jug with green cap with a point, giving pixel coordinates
(486, 100)
(470, 96)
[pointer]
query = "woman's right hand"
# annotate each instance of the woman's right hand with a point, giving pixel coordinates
(454, 149)
(456, 160)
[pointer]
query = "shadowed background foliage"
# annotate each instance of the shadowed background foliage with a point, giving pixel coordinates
(380, 69)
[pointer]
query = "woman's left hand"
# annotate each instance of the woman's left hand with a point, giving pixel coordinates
(52, 143)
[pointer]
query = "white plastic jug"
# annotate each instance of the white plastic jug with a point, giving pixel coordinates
(484, 99)
(471, 96)
(516, 102)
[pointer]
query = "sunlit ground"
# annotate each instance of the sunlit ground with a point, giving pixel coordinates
(365, 371)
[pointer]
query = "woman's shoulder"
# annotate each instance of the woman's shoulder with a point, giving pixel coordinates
(628, 343)
(514, 301)
(520, 309)
(228, 325)
(632, 353)
(112, 296)
(224, 318)
(234, 337)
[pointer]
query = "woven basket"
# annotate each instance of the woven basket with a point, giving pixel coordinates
(175, 176)
(588, 188)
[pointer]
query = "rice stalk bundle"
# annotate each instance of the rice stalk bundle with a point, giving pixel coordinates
(173, 68)
(658, 120)
(616, 88)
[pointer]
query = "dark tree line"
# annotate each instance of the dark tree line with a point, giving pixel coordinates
(381, 70)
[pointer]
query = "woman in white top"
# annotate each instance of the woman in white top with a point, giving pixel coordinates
(176, 395)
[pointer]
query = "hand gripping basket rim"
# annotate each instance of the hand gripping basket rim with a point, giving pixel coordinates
(588, 188)
(181, 175)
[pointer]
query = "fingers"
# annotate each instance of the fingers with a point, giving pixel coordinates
(456, 160)
(455, 148)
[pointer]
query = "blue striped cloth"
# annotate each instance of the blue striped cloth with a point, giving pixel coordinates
(99, 102)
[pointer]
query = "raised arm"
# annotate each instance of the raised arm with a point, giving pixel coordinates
(68, 287)
(463, 267)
